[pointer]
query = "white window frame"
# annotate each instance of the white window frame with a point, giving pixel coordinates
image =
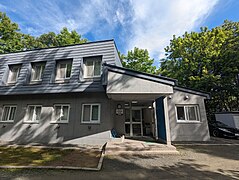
(186, 115)
(94, 61)
(91, 121)
(11, 120)
(67, 63)
(54, 114)
(42, 64)
(10, 72)
(26, 120)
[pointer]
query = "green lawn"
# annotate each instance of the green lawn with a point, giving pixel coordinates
(33, 156)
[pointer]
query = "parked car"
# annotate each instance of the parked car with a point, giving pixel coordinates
(219, 129)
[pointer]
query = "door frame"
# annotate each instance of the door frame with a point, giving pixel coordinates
(132, 108)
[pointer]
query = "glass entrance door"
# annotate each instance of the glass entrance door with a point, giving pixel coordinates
(133, 122)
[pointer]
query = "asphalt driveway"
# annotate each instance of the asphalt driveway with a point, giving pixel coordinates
(202, 161)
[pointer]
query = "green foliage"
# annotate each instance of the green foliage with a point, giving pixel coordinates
(12, 40)
(207, 60)
(139, 60)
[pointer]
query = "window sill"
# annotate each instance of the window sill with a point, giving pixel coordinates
(6, 122)
(188, 122)
(28, 122)
(58, 122)
(35, 82)
(90, 123)
(58, 81)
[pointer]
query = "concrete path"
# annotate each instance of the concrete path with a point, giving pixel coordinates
(129, 146)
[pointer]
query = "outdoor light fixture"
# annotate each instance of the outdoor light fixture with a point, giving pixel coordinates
(170, 97)
(186, 97)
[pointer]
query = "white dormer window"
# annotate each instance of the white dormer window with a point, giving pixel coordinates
(92, 67)
(14, 71)
(63, 70)
(37, 71)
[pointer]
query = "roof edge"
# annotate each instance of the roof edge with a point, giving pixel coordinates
(143, 73)
(194, 91)
(38, 49)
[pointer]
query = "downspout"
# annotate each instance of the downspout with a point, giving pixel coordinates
(155, 120)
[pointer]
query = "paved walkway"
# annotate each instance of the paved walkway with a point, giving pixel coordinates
(129, 146)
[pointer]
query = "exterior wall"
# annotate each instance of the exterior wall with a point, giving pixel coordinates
(194, 131)
(74, 132)
(76, 83)
(229, 118)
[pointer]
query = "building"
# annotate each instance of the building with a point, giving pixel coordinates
(79, 93)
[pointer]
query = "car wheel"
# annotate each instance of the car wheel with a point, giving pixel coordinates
(215, 133)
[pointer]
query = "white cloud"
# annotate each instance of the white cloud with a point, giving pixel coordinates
(148, 24)
(156, 21)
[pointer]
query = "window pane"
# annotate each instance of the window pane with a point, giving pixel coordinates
(191, 113)
(37, 71)
(180, 113)
(12, 113)
(86, 112)
(62, 69)
(58, 113)
(5, 113)
(31, 113)
(68, 70)
(127, 115)
(97, 68)
(13, 74)
(38, 113)
(95, 113)
(136, 117)
(89, 68)
(64, 115)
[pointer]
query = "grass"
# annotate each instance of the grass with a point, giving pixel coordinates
(33, 156)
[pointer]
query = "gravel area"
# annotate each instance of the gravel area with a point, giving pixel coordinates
(211, 161)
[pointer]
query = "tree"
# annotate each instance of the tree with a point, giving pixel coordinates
(10, 37)
(139, 60)
(12, 40)
(207, 60)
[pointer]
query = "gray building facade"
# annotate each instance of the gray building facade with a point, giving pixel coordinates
(77, 94)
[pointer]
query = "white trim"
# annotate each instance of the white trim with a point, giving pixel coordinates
(26, 120)
(67, 63)
(85, 69)
(91, 121)
(53, 120)
(186, 120)
(33, 65)
(10, 73)
(10, 106)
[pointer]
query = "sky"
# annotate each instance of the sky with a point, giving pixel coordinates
(147, 24)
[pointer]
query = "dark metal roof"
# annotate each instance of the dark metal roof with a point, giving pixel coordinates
(37, 49)
(193, 91)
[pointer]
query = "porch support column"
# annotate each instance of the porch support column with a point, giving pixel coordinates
(168, 133)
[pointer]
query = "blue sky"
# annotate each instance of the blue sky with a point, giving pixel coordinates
(148, 24)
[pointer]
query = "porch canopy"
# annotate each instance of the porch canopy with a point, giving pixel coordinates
(125, 84)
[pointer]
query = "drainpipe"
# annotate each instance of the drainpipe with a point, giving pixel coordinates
(155, 120)
(166, 118)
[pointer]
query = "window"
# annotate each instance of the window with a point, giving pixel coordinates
(90, 113)
(33, 113)
(37, 71)
(187, 113)
(92, 67)
(63, 70)
(13, 73)
(61, 113)
(9, 113)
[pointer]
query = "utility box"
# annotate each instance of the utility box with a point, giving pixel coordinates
(229, 118)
